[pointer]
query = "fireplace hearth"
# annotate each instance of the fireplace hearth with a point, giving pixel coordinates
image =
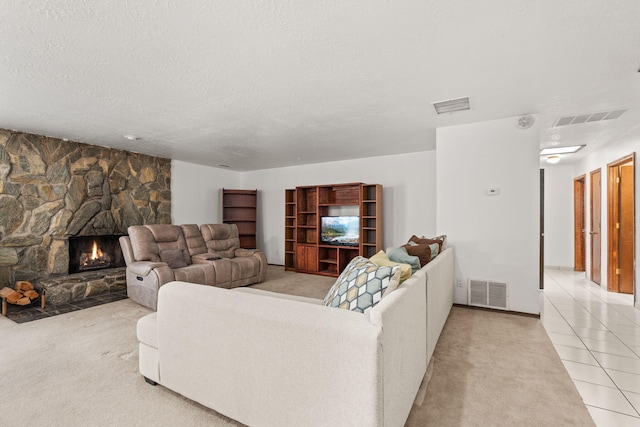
(88, 253)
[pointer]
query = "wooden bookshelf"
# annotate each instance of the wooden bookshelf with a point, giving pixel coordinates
(240, 207)
(290, 229)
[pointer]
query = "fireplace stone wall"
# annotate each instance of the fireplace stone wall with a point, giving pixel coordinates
(51, 189)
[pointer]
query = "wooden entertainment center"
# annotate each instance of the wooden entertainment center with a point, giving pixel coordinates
(305, 206)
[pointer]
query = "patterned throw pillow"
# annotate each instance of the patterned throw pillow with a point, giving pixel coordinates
(361, 285)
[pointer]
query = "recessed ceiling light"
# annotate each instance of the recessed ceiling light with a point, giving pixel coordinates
(452, 105)
(132, 138)
(561, 150)
(553, 159)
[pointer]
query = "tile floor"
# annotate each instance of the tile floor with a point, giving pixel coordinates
(597, 335)
(22, 314)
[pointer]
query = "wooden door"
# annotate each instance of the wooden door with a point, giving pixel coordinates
(579, 225)
(594, 230)
(621, 225)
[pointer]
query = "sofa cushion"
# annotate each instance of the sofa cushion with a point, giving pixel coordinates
(427, 240)
(173, 257)
(401, 255)
(381, 259)
(423, 252)
(434, 249)
(250, 290)
(193, 237)
(203, 274)
(361, 285)
(221, 239)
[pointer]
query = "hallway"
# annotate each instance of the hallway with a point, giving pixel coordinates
(597, 335)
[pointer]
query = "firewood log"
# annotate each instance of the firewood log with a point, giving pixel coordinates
(23, 285)
(6, 291)
(31, 294)
(23, 301)
(14, 297)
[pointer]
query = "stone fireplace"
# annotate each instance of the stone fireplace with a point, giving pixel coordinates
(55, 194)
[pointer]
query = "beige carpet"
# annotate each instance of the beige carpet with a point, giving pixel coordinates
(80, 369)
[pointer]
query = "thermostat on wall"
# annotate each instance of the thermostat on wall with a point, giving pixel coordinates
(492, 191)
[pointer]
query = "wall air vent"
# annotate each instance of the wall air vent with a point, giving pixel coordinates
(484, 293)
(588, 118)
(452, 105)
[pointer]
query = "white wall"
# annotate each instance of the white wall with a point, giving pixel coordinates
(196, 192)
(599, 159)
(408, 194)
(496, 237)
(558, 216)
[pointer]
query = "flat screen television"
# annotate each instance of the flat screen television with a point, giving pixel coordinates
(340, 230)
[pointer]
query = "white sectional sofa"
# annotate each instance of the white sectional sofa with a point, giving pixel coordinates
(267, 359)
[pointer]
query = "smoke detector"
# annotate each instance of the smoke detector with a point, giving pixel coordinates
(524, 122)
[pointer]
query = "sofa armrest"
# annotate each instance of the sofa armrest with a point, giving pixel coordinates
(143, 268)
(242, 252)
(204, 258)
(246, 252)
(260, 352)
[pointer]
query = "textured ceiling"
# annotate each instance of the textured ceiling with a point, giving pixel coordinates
(262, 84)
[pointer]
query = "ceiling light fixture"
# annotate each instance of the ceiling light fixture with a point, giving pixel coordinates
(132, 138)
(561, 150)
(553, 159)
(452, 105)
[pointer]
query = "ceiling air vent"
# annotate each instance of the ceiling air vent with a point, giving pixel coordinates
(452, 105)
(589, 118)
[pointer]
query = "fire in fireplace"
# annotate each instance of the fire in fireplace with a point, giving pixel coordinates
(94, 253)
(94, 260)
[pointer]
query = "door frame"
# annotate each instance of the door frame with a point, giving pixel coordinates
(541, 260)
(613, 212)
(595, 253)
(579, 223)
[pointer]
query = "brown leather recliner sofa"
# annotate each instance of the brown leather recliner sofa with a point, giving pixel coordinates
(161, 253)
(234, 266)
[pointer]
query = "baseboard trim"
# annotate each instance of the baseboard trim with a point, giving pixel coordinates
(517, 313)
(559, 267)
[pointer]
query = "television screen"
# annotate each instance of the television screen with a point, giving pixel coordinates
(340, 230)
